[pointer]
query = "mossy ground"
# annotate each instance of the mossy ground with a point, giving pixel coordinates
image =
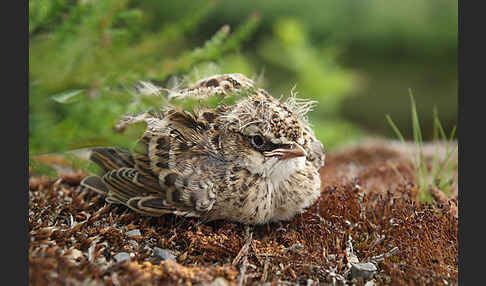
(368, 199)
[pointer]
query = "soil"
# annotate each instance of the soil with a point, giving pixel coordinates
(369, 211)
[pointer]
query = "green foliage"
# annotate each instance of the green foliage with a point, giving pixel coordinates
(440, 175)
(415, 28)
(103, 44)
(214, 49)
(391, 45)
(81, 68)
(84, 56)
(444, 171)
(44, 13)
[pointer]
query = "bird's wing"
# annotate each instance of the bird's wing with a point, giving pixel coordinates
(163, 173)
(124, 183)
(111, 158)
(189, 138)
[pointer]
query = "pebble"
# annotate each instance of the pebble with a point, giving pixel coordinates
(121, 256)
(295, 248)
(134, 232)
(164, 254)
(370, 283)
(75, 254)
(220, 281)
(365, 270)
(133, 243)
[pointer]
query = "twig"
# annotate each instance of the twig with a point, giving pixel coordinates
(244, 250)
(330, 274)
(244, 253)
(281, 282)
(378, 241)
(265, 271)
(295, 248)
(308, 265)
(270, 255)
(223, 247)
(243, 271)
(381, 257)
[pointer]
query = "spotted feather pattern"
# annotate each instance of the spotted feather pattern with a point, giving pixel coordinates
(202, 162)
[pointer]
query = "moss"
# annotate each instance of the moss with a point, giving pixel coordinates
(74, 235)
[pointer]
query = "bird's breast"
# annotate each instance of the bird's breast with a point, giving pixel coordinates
(258, 199)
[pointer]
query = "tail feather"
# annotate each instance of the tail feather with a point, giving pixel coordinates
(128, 181)
(111, 158)
(150, 205)
(96, 184)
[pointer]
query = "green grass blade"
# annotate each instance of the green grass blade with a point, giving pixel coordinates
(395, 128)
(440, 171)
(417, 132)
(446, 161)
(417, 135)
(435, 160)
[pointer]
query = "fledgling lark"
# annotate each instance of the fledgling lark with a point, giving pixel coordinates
(253, 161)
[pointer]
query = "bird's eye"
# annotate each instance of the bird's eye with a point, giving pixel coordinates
(257, 141)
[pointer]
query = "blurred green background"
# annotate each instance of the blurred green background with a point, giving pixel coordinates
(356, 58)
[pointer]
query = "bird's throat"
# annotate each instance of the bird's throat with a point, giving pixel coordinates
(280, 170)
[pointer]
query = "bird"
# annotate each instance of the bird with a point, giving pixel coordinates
(253, 160)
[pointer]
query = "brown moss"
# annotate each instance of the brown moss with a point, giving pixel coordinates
(74, 235)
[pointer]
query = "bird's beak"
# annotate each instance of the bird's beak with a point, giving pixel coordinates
(287, 152)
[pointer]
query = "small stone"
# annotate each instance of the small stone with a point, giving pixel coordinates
(370, 283)
(133, 243)
(134, 232)
(121, 256)
(101, 260)
(365, 270)
(220, 281)
(295, 248)
(164, 254)
(75, 254)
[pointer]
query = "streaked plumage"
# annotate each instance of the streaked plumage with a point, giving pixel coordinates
(254, 161)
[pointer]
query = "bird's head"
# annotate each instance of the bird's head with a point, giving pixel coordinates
(266, 136)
